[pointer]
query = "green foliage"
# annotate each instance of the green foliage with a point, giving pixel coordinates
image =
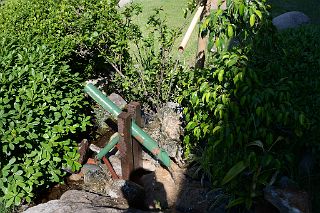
(47, 49)
(40, 109)
(3, 209)
(153, 76)
(90, 35)
(248, 108)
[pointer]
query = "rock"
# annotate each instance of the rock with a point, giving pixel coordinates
(149, 164)
(306, 164)
(166, 129)
(162, 187)
(101, 115)
(170, 123)
(75, 177)
(82, 202)
(89, 168)
(128, 190)
(76, 196)
(116, 164)
(286, 182)
(172, 105)
(290, 20)
(117, 100)
(156, 195)
(288, 200)
(192, 199)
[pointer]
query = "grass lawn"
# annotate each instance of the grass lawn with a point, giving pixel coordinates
(173, 11)
(310, 7)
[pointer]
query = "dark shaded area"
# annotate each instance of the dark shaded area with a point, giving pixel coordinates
(310, 7)
(147, 180)
(55, 191)
(286, 61)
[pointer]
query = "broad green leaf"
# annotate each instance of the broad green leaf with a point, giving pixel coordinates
(236, 202)
(220, 75)
(12, 161)
(241, 9)
(216, 128)
(191, 125)
(230, 31)
(233, 172)
(252, 19)
(259, 14)
(9, 202)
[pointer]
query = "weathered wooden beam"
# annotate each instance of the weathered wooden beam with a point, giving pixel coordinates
(134, 109)
(190, 29)
(125, 144)
(202, 41)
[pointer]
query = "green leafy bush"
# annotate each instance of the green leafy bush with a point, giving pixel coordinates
(47, 49)
(153, 77)
(40, 108)
(90, 35)
(249, 108)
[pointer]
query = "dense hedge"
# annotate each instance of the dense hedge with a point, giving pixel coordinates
(47, 49)
(254, 109)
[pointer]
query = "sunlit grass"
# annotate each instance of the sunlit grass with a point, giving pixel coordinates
(173, 11)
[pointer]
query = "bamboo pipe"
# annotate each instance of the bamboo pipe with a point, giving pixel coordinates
(112, 142)
(142, 137)
(190, 29)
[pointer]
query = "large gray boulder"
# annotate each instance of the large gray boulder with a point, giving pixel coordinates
(288, 200)
(291, 19)
(82, 202)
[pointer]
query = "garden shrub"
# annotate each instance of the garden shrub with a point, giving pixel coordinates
(47, 50)
(153, 77)
(249, 108)
(89, 35)
(40, 107)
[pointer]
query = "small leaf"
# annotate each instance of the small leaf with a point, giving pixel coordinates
(10, 202)
(257, 143)
(259, 14)
(252, 19)
(12, 160)
(220, 75)
(191, 125)
(301, 119)
(216, 129)
(235, 202)
(241, 9)
(19, 172)
(233, 172)
(230, 31)
(95, 34)
(17, 200)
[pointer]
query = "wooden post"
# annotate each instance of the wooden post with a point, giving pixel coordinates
(134, 109)
(125, 144)
(190, 29)
(202, 41)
